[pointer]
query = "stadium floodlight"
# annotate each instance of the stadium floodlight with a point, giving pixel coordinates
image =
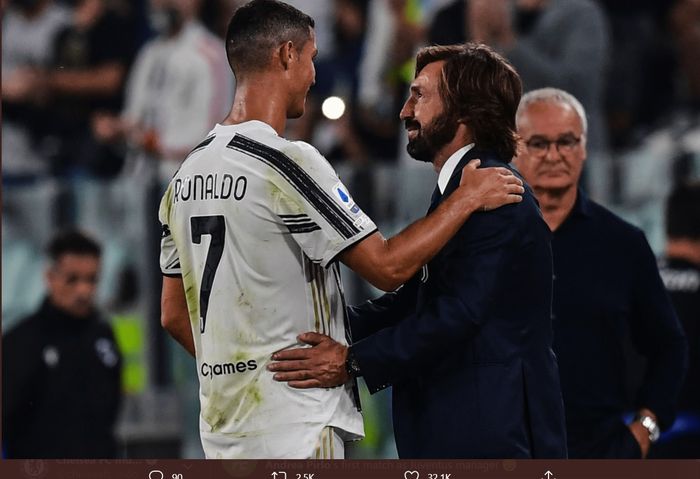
(333, 107)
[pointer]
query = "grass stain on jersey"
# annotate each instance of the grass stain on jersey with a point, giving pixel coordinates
(191, 297)
(167, 204)
(238, 407)
(255, 394)
(243, 301)
(246, 401)
(240, 356)
(215, 413)
(281, 201)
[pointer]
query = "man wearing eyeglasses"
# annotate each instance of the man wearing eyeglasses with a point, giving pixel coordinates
(607, 293)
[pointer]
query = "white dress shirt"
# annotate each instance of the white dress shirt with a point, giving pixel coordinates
(449, 167)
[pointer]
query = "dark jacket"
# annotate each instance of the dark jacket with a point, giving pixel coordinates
(609, 298)
(466, 344)
(61, 387)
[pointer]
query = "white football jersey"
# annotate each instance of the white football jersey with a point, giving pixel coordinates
(253, 223)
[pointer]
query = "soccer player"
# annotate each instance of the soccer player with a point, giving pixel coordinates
(253, 228)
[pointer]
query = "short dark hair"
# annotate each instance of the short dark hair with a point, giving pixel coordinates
(481, 88)
(72, 242)
(259, 26)
(683, 212)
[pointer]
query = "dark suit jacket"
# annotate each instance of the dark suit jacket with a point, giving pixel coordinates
(468, 349)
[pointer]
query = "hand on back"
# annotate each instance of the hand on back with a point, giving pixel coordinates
(490, 188)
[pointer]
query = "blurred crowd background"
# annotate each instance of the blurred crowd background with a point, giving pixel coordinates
(101, 99)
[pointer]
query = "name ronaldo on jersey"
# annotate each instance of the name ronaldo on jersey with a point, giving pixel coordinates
(210, 187)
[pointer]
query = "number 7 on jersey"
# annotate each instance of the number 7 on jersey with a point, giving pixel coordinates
(215, 226)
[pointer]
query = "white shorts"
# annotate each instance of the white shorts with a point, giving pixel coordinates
(330, 445)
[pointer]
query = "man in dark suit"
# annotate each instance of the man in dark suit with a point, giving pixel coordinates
(466, 344)
(607, 294)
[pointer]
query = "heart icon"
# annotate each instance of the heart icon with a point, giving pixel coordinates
(411, 475)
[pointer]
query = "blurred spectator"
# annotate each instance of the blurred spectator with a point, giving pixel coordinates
(668, 152)
(685, 19)
(29, 28)
(680, 271)
(88, 73)
(216, 13)
(607, 289)
(552, 43)
(394, 32)
(61, 385)
(179, 86)
(325, 15)
(642, 67)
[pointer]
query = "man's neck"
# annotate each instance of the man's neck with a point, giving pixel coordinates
(685, 249)
(556, 204)
(259, 99)
(448, 150)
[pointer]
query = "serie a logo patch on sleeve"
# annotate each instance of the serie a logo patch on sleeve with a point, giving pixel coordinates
(344, 196)
(360, 220)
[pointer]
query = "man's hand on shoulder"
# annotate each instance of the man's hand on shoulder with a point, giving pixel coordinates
(489, 188)
(320, 366)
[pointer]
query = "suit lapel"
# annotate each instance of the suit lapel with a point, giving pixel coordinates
(435, 199)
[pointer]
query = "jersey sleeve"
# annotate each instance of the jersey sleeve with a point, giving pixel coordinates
(316, 208)
(169, 257)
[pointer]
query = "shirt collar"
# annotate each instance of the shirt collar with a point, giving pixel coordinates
(582, 206)
(247, 126)
(449, 167)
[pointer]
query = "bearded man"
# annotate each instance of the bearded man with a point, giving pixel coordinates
(467, 342)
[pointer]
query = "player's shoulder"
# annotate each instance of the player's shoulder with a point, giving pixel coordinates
(200, 148)
(254, 139)
(306, 148)
(281, 151)
(307, 155)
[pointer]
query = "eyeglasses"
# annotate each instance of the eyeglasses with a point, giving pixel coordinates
(540, 146)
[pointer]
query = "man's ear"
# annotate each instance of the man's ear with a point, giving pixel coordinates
(286, 53)
(464, 130)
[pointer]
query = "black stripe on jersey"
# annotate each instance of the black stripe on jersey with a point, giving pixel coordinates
(293, 216)
(303, 228)
(174, 264)
(299, 179)
(202, 145)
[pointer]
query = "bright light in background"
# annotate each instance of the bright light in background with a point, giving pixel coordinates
(333, 107)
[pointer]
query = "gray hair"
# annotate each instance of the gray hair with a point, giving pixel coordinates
(552, 95)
